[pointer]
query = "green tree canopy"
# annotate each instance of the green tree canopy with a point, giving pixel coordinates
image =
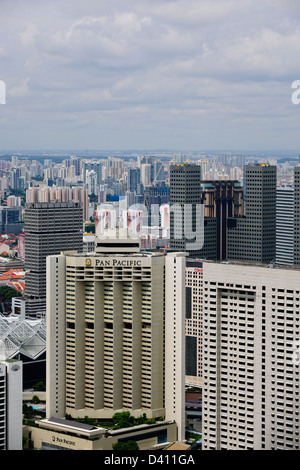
(128, 445)
(123, 420)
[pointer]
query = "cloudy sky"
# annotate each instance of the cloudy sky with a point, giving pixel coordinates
(149, 74)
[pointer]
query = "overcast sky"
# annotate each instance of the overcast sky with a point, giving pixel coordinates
(149, 74)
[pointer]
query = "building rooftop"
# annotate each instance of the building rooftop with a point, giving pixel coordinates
(271, 265)
(17, 336)
(178, 446)
(71, 427)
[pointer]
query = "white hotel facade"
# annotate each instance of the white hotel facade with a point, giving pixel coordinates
(11, 374)
(115, 333)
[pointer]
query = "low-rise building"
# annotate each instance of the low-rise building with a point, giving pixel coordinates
(63, 434)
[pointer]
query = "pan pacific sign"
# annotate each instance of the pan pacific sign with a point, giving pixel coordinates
(111, 262)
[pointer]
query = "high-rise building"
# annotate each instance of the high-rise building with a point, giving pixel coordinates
(146, 174)
(297, 215)
(240, 160)
(91, 181)
(194, 321)
(134, 179)
(251, 351)
(49, 229)
(60, 194)
(221, 200)
(154, 196)
(285, 225)
(75, 161)
(115, 323)
(253, 237)
(95, 165)
(11, 405)
(11, 220)
(186, 220)
(159, 171)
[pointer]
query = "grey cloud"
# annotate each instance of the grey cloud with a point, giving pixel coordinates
(166, 67)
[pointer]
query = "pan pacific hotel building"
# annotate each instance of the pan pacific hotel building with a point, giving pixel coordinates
(116, 333)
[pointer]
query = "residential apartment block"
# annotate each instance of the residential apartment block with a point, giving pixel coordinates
(253, 236)
(251, 338)
(194, 321)
(11, 405)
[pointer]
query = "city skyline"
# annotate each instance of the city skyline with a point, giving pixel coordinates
(165, 74)
(133, 321)
(150, 225)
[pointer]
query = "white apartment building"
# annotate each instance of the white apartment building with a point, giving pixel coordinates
(115, 333)
(11, 405)
(194, 321)
(250, 356)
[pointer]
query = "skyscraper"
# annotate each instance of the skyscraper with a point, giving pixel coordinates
(11, 220)
(49, 229)
(134, 179)
(221, 200)
(250, 357)
(95, 165)
(115, 320)
(186, 219)
(60, 194)
(253, 237)
(217, 200)
(285, 225)
(194, 321)
(297, 215)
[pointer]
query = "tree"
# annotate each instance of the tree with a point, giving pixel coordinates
(142, 419)
(27, 409)
(7, 292)
(128, 445)
(39, 387)
(123, 420)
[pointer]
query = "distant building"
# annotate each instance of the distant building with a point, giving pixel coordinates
(185, 209)
(285, 225)
(49, 229)
(88, 242)
(253, 237)
(221, 200)
(93, 165)
(60, 194)
(11, 220)
(134, 180)
(21, 246)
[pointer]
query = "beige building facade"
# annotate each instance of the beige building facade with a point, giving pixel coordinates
(194, 322)
(61, 434)
(115, 334)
